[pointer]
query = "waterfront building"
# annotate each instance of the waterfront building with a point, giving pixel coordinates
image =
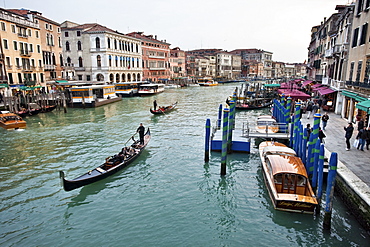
(190, 66)
(224, 66)
(155, 55)
(93, 52)
(21, 43)
(265, 57)
(177, 64)
(236, 66)
(278, 70)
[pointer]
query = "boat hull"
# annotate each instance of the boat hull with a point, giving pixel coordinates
(166, 110)
(101, 172)
(12, 121)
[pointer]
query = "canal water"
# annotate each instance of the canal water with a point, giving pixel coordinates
(168, 197)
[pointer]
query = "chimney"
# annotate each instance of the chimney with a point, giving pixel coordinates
(155, 37)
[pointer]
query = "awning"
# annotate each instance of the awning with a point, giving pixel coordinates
(294, 94)
(353, 95)
(325, 91)
(320, 88)
(62, 81)
(288, 85)
(316, 85)
(271, 85)
(364, 106)
(4, 85)
(305, 83)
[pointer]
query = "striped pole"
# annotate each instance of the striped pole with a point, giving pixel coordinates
(309, 156)
(304, 147)
(224, 141)
(288, 109)
(315, 165)
(315, 138)
(219, 117)
(208, 134)
(320, 177)
(231, 126)
(297, 115)
(330, 189)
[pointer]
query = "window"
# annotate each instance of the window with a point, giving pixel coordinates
(29, 33)
(78, 33)
(97, 42)
(359, 6)
(15, 44)
(37, 34)
(67, 46)
(367, 71)
(58, 29)
(355, 37)
(98, 61)
(51, 27)
(79, 77)
(59, 42)
(40, 63)
(66, 34)
(88, 78)
(38, 49)
(5, 42)
(61, 60)
(46, 26)
(31, 48)
(68, 60)
(8, 61)
(51, 40)
(80, 64)
(108, 42)
(3, 27)
(351, 71)
(363, 34)
(13, 28)
(17, 62)
(79, 46)
(359, 67)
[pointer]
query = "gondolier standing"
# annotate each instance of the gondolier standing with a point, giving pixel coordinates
(155, 104)
(141, 130)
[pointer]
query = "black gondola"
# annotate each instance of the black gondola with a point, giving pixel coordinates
(163, 110)
(253, 106)
(112, 165)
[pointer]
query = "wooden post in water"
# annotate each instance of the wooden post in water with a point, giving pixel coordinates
(219, 120)
(330, 190)
(64, 102)
(224, 141)
(231, 126)
(83, 100)
(316, 154)
(207, 139)
(320, 177)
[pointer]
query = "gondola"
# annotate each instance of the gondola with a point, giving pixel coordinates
(112, 165)
(163, 110)
(253, 106)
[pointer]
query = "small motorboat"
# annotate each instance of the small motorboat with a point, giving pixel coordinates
(10, 120)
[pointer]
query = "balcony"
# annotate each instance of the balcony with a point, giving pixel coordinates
(329, 53)
(27, 69)
(68, 65)
(157, 68)
(156, 56)
(80, 69)
(22, 35)
(25, 53)
(49, 67)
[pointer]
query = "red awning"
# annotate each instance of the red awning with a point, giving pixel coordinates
(325, 91)
(294, 94)
(316, 85)
(305, 83)
(288, 85)
(319, 88)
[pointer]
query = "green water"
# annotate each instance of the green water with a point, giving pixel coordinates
(167, 197)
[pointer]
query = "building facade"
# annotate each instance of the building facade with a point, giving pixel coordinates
(93, 52)
(156, 57)
(177, 64)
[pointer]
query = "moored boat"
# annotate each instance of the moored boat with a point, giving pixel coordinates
(150, 89)
(163, 109)
(10, 120)
(267, 124)
(112, 165)
(128, 89)
(253, 105)
(286, 179)
(206, 82)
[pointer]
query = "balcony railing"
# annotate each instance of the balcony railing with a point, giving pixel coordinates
(25, 53)
(49, 67)
(329, 52)
(358, 84)
(80, 68)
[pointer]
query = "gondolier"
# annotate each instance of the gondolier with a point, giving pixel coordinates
(155, 104)
(141, 131)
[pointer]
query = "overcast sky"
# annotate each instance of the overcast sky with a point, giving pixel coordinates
(281, 27)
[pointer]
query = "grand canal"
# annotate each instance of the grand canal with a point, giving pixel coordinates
(168, 197)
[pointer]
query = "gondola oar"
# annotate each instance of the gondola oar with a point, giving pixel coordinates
(162, 111)
(132, 137)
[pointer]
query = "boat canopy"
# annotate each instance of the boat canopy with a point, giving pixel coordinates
(278, 150)
(286, 164)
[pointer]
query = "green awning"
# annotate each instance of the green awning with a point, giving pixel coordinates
(364, 106)
(349, 94)
(4, 85)
(271, 85)
(62, 81)
(359, 98)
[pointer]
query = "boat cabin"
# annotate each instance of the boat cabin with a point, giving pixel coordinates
(128, 89)
(150, 88)
(94, 95)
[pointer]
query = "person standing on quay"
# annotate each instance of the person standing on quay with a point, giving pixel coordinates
(141, 131)
(367, 135)
(324, 119)
(361, 136)
(348, 135)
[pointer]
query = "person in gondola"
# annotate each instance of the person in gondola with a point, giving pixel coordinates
(155, 105)
(141, 131)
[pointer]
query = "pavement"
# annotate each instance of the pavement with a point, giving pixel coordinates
(355, 160)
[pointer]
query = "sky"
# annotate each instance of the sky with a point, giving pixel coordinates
(282, 27)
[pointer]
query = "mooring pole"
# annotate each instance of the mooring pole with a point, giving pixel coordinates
(315, 165)
(320, 177)
(231, 126)
(330, 190)
(208, 134)
(219, 117)
(224, 141)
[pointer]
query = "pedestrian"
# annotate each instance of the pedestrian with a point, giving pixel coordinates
(360, 124)
(155, 104)
(349, 131)
(309, 109)
(321, 135)
(361, 136)
(309, 130)
(367, 135)
(315, 108)
(324, 119)
(141, 131)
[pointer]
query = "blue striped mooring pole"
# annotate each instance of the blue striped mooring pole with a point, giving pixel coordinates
(219, 120)
(224, 141)
(207, 140)
(330, 190)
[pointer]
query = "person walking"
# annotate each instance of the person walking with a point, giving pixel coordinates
(321, 135)
(360, 124)
(349, 131)
(315, 108)
(361, 136)
(309, 109)
(309, 130)
(367, 135)
(141, 131)
(324, 119)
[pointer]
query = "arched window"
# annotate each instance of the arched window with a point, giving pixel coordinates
(51, 39)
(123, 77)
(138, 77)
(137, 48)
(47, 39)
(115, 44)
(117, 77)
(134, 77)
(110, 61)
(98, 60)
(128, 77)
(53, 60)
(79, 46)
(68, 60)
(97, 42)
(111, 77)
(100, 77)
(80, 64)
(108, 41)
(61, 59)
(67, 46)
